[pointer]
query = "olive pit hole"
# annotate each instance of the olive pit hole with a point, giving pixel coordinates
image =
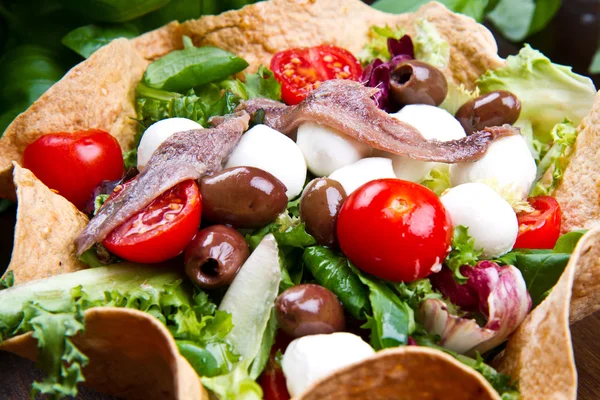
(210, 267)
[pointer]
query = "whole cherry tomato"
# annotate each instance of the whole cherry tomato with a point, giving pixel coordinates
(75, 163)
(301, 70)
(395, 230)
(162, 229)
(540, 228)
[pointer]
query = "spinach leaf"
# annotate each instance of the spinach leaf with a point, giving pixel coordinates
(392, 321)
(567, 242)
(85, 40)
(517, 19)
(472, 8)
(181, 70)
(176, 10)
(334, 272)
(114, 10)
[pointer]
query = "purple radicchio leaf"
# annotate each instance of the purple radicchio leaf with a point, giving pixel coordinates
(498, 293)
(377, 74)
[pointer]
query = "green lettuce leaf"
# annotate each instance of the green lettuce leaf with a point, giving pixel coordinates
(463, 252)
(53, 310)
(376, 46)
(262, 84)
(7, 281)
(430, 46)
(567, 242)
(552, 166)
(548, 92)
(438, 180)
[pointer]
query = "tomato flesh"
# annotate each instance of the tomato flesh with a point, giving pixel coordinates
(394, 229)
(73, 164)
(272, 380)
(162, 229)
(539, 229)
(301, 70)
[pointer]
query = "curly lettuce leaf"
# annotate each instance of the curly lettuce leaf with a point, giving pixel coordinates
(377, 46)
(7, 281)
(457, 96)
(437, 179)
(53, 310)
(552, 167)
(548, 92)
(463, 252)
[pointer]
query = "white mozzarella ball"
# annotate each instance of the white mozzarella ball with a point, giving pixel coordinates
(433, 123)
(507, 166)
(310, 358)
(157, 133)
(265, 148)
(326, 150)
(352, 176)
(491, 220)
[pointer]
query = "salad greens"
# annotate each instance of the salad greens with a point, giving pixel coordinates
(463, 253)
(548, 92)
(85, 40)
(377, 46)
(53, 309)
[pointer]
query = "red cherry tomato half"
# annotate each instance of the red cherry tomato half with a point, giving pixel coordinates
(301, 70)
(394, 229)
(75, 163)
(162, 229)
(272, 380)
(540, 228)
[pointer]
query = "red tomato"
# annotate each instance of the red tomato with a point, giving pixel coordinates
(75, 163)
(301, 70)
(394, 229)
(539, 229)
(272, 381)
(162, 229)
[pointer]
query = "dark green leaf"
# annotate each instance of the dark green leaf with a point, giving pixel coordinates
(85, 40)
(263, 84)
(545, 10)
(5, 204)
(392, 320)
(333, 271)
(416, 292)
(7, 281)
(130, 158)
(463, 252)
(115, 10)
(513, 18)
(472, 8)
(181, 70)
(176, 10)
(567, 242)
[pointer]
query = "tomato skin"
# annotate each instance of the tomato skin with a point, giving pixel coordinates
(301, 70)
(272, 380)
(394, 229)
(539, 229)
(162, 237)
(75, 163)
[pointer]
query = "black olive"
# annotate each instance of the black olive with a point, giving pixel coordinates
(309, 309)
(215, 255)
(416, 82)
(492, 109)
(319, 206)
(245, 197)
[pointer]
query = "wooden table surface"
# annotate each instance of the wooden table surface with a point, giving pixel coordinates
(16, 374)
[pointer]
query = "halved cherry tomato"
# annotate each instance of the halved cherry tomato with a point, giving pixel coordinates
(272, 380)
(539, 229)
(301, 70)
(75, 163)
(394, 229)
(162, 229)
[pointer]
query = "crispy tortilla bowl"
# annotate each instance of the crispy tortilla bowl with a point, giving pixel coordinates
(100, 93)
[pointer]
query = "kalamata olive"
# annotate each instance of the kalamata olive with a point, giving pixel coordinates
(319, 206)
(309, 309)
(214, 256)
(245, 197)
(492, 109)
(416, 82)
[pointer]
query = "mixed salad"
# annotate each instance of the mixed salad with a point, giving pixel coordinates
(314, 212)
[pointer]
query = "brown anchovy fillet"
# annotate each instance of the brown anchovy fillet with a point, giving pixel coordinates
(184, 155)
(346, 106)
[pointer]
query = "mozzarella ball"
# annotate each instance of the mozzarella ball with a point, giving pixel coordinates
(310, 358)
(507, 166)
(265, 148)
(157, 133)
(433, 123)
(353, 176)
(491, 220)
(326, 150)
